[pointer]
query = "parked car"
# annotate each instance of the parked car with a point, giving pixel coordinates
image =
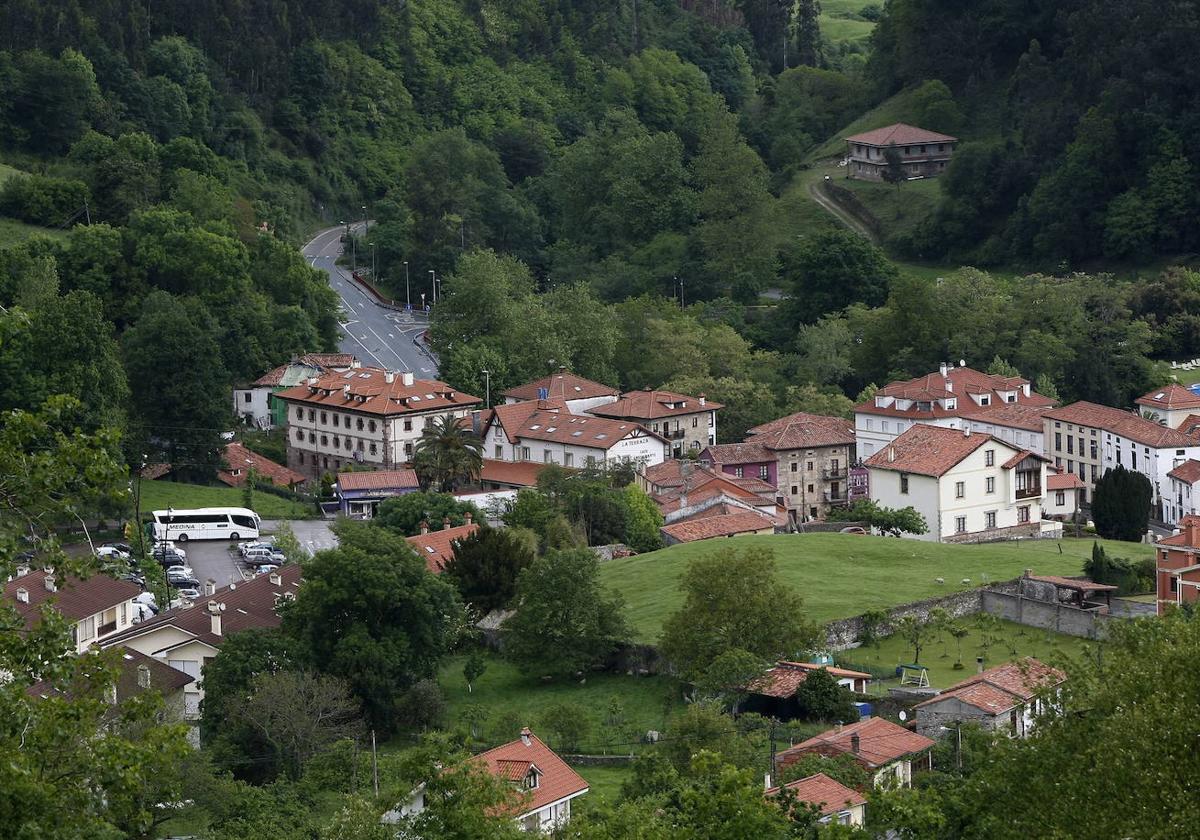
(119, 546)
(170, 557)
(111, 552)
(147, 598)
(182, 581)
(169, 545)
(254, 556)
(186, 593)
(265, 569)
(181, 568)
(246, 546)
(141, 612)
(134, 577)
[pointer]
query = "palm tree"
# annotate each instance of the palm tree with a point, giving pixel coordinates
(447, 454)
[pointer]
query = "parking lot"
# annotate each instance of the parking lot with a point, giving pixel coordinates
(219, 559)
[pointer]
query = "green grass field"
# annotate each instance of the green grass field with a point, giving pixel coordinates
(839, 21)
(13, 232)
(604, 786)
(840, 575)
(1005, 642)
(158, 495)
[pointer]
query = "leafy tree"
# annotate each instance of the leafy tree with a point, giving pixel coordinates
(1121, 504)
(727, 678)
(569, 724)
(734, 600)
(642, 521)
(819, 697)
(462, 799)
(423, 706)
(473, 669)
(447, 455)
(889, 520)
(841, 768)
(893, 167)
(565, 622)
(1001, 367)
(403, 515)
(916, 632)
(486, 564)
(831, 270)
(371, 613)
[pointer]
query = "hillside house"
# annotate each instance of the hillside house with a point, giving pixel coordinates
(578, 394)
(710, 525)
(923, 154)
(1181, 500)
(255, 404)
(1177, 560)
(887, 751)
(968, 487)
(98, 608)
(138, 674)
(956, 398)
(547, 432)
(1170, 405)
(1006, 698)
(836, 802)
(688, 423)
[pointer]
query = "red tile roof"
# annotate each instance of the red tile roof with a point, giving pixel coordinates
(1018, 681)
(783, 680)
(76, 598)
(750, 452)
(528, 421)
(722, 525)
(557, 782)
(957, 383)
(368, 390)
(1188, 472)
(1026, 416)
(238, 457)
(651, 405)
(1171, 397)
(378, 480)
(929, 450)
(1065, 481)
(880, 742)
(315, 361)
(516, 473)
(1123, 423)
(803, 431)
(1015, 460)
(1072, 583)
(824, 792)
(248, 604)
(563, 385)
(899, 134)
(437, 547)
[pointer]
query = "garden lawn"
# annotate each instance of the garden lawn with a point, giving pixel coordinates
(158, 495)
(511, 700)
(841, 575)
(1008, 641)
(604, 786)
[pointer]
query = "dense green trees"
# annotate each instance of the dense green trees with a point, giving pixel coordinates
(1121, 504)
(447, 455)
(486, 565)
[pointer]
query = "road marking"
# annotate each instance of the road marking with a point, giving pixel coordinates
(391, 336)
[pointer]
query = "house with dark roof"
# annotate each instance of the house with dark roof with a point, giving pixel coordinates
(579, 395)
(1089, 439)
(835, 802)
(360, 493)
(238, 462)
(98, 607)
(1006, 698)
(923, 153)
(968, 487)
(689, 423)
(956, 398)
(255, 405)
(887, 751)
(1182, 496)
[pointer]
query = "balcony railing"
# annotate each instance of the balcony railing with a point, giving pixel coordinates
(105, 629)
(838, 498)
(675, 435)
(1029, 492)
(834, 474)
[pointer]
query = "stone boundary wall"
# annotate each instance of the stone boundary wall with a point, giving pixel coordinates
(853, 205)
(830, 527)
(1061, 618)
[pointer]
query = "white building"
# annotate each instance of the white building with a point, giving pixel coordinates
(546, 431)
(1063, 491)
(1181, 501)
(1090, 439)
(253, 404)
(1170, 405)
(968, 487)
(363, 416)
(579, 394)
(98, 608)
(956, 398)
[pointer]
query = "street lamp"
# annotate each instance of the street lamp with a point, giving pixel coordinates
(422, 301)
(371, 245)
(407, 296)
(433, 284)
(487, 380)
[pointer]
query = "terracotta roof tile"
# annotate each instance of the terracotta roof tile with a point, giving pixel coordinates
(238, 457)
(437, 547)
(724, 525)
(562, 385)
(1022, 679)
(516, 473)
(929, 450)
(544, 421)
(782, 680)
(1064, 481)
(824, 792)
(1072, 583)
(378, 480)
(558, 781)
(163, 678)
(1122, 422)
(880, 742)
(1027, 416)
(1171, 397)
(651, 405)
(76, 598)
(367, 390)
(803, 431)
(958, 383)
(899, 134)
(750, 452)
(1188, 472)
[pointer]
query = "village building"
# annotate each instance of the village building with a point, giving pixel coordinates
(255, 404)
(436, 548)
(138, 674)
(1006, 699)
(688, 423)
(968, 487)
(1177, 571)
(1170, 405)
(773, 694)
(1005, 407)
(1064, 495)
(1181, 499)
(889, 753)
(835, 802)
(359, 493)
(729, 523)
(547, 432)
(98, 608)
(239, 463)
(580, 395)
(363, 416)
(922, 153)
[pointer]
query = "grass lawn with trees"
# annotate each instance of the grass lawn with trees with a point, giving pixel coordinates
(12, 231)
(840, 22)
(158, 495)
(841, 575)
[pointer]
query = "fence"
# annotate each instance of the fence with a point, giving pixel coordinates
(1061, 618)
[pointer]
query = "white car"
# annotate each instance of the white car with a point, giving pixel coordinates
(146, 598)
(189, 593)
(168, 546)
(246, 546)
(108, 552)
(181, 569)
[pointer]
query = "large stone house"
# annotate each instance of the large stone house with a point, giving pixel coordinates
(923, 154)
(1006, 698)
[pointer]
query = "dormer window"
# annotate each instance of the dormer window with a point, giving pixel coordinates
(985, 399)
(532, 779)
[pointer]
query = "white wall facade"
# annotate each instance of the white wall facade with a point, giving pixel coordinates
(1151, 462)
(1180, 503)
(1060, 503)
(255, 404)
(99, 626)
(636, 446)
(575, 406)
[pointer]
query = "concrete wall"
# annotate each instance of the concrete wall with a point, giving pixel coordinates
(1060, 618)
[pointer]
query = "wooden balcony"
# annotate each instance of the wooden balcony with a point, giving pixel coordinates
(1029, 493)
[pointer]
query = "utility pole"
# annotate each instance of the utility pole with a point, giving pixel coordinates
(681, 293)
(374, 764)
(371, 245)
(772, 765)
(407, 294)
(433, 285)
(487, 384)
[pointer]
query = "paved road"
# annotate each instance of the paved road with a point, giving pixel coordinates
(377, 335)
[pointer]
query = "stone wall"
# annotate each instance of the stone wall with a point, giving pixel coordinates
(831, 527)
(1061, 618)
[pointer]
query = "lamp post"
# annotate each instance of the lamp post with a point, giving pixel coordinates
(487, 385)
(433, 284)
(407, 296)
(371, 245)
(422, 301)
(167, 538)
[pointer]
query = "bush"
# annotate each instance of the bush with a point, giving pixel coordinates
(568, 725)
(820, 697)
(42, 200)
(1130, 578)
(423, 706)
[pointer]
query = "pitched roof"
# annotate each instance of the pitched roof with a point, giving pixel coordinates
(1188, 472)
(651, 405)
(1122, 422)
(750, 452)
(1171, 397)
(899, 134)
(722, 525)
(557, 782)
(368, 390)
(437, 547)
(956, 382)
(824, 792)
(516, 473)
(377, 480)
(1065, 481)
(880, 742)
(76, 598)
(292, 372)
(238, 457)
(163, 678)
(563, 385)
(999, 689)
(248, 604)
(1072, 583)
(541, 420)
(782, 680)
(929, 450)
(803, 431)
(1027, 416)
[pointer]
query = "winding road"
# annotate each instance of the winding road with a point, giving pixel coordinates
(377, 335)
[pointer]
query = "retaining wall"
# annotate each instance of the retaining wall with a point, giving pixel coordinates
(1061, 618)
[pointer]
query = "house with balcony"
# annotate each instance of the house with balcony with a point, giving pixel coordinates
(98, 608)
(578, 394)
(922, 153)
(968, 487)
(1089, 439)
(255, 404)
(547, 432)
(688, 423)
(1005, 407)
(363, 417)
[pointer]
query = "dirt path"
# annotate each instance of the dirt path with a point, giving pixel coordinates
(834, 209)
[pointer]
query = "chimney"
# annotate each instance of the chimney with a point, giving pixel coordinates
(944, 368)
(312, 381)
(978, 664)
(346, 392)
(525, 736)
(214, 613)
(275, 579)
(406, 379)
(446, 523)
(389, 377)
(891, 453)
(703, 400)
(854, 743)
(467, 517)
(143, 677)
(210, 587)
(22, 570)
(22, 595)
(49, 581)
(424, 527)
(966, 429)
